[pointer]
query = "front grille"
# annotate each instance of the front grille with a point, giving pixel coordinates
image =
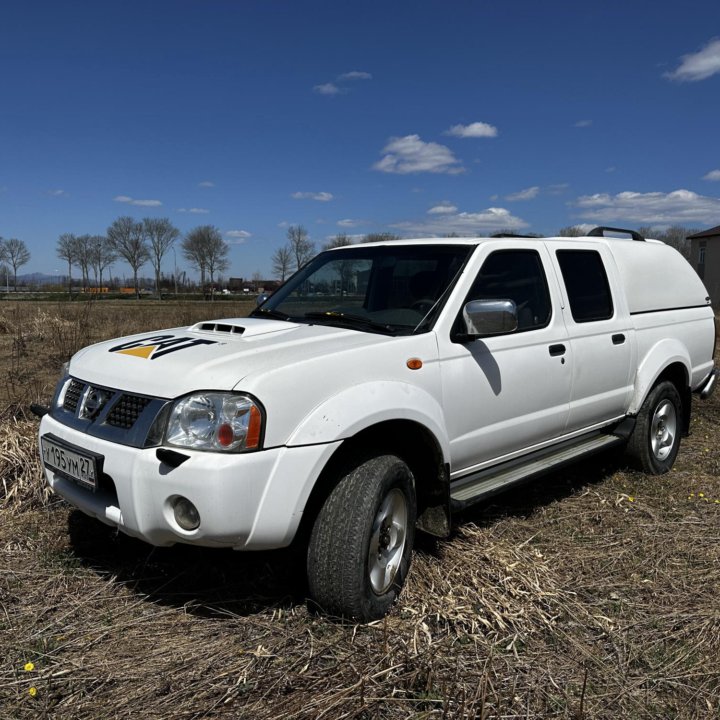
(72, 395)
(126, 411)
(110, 414)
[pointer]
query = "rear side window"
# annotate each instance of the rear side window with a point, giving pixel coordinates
(587, 285)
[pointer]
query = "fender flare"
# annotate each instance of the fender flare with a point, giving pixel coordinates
(660, 356)
(361, 406)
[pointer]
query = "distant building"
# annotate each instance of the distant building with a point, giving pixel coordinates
(248, 286)
(705, 258)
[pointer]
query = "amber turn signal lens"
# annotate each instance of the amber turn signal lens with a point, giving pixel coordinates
(252, 440)
(414, 363)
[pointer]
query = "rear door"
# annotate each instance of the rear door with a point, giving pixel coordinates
(601, 339)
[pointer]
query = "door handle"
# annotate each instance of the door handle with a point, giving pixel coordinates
(618, 339)
(556, 350)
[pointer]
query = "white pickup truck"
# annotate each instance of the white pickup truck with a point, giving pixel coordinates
(380, 388)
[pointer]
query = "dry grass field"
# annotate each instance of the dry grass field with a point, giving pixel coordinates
(594, 593)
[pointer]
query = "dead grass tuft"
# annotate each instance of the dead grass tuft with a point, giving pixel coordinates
(20, 468)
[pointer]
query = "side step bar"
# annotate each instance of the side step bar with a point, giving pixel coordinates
(478, 486)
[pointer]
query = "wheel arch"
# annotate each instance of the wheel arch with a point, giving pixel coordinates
(667, 359)
(677, 372)
(417, 446)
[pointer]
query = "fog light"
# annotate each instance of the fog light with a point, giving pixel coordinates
(186, 514)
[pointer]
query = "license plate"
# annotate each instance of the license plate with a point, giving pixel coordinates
(79, 465)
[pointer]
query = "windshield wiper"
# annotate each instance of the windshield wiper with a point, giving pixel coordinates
(267, 313)
(334, 317)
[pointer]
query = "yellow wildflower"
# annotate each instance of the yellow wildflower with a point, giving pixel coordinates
(701, 494)
(631, 498)
(29, 667)
(32, 691)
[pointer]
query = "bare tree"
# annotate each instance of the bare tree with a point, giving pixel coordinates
(380, 237)
(192, 249)
(4, 269)
(127, 239)
(15, 253)
(67, 250)
(83, 245)
(301, 246)
(102, 255)
(572, 231)
(340, 240)
(282, 262)
(204, 247)
(162, 234)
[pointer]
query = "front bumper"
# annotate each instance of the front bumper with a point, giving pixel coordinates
(246, 501)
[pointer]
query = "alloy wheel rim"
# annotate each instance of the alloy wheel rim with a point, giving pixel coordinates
(663, 430)
(387, 541)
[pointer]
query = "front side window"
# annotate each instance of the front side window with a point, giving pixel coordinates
(586, 284)
(515, 275)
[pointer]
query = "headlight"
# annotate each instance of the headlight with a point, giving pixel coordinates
(215, 421)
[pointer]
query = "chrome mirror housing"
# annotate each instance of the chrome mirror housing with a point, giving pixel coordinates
(489, 317)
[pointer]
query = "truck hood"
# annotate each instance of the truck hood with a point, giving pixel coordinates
(213, 355)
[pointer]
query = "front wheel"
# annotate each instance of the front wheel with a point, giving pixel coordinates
(655, 441)
(361, 544)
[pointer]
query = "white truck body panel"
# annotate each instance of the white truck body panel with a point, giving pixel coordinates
(483, 400)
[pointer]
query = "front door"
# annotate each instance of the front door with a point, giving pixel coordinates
(507, 393)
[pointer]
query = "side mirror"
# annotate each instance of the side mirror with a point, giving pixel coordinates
(489, 317)
(260, 299)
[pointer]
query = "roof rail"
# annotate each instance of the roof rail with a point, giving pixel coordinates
(512, 235)
(600, 232)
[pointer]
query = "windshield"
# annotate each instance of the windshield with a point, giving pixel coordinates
(397, 289)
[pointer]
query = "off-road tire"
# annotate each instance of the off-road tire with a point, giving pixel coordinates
(655, 441)
(339, 563)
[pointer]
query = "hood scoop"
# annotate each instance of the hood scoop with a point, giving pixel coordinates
(241, 327)
(219, 327)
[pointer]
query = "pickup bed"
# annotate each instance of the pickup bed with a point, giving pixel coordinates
(380, 388)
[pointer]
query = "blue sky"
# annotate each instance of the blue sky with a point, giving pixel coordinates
(409, 117)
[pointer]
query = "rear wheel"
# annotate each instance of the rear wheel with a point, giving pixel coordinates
(361, 544)
(656, 439)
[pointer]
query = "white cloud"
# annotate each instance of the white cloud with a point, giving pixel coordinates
(653, 208)
(443, 208)
(348, 223)
(206, 183)
(328, 89)
(583, 123)
(58, 193)
(132, 201)
(410, 154)
(194, 210)
(473, 130)
(355, 75)
(238, 237)
(712, 175)
(558, 188)
(527, 194)
(700, 65)
(319, 196)
(465, 223)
